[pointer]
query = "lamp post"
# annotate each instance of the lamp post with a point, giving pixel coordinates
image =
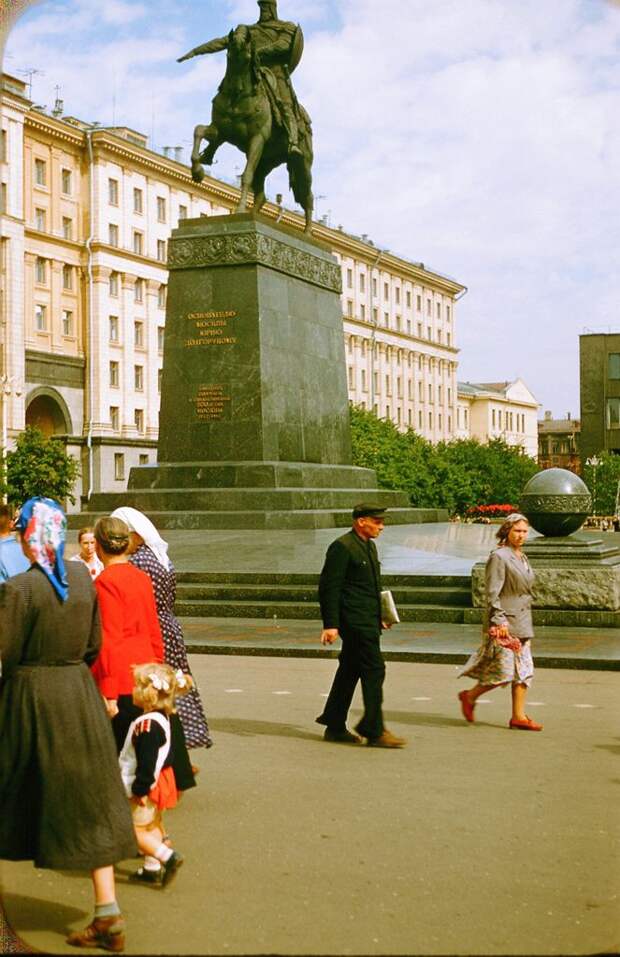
(594, 463)
(9, 386)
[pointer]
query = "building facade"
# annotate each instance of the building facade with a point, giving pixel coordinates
(86, 213)
(558, 443)
(498, 410)
(599, 379)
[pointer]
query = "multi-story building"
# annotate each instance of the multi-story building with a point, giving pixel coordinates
(498, 410)
(86, 215)
(599, 374)
(558, 443)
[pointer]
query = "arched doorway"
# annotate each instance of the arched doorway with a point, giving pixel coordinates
(47, 410)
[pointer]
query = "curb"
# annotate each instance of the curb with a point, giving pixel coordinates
(420, 657)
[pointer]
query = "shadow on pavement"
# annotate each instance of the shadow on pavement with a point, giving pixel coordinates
(437, 720)
(243, 727)
(31, 913)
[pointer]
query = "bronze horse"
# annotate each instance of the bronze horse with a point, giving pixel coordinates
(242, 114)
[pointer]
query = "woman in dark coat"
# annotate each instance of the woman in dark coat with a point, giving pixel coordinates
(62, 803)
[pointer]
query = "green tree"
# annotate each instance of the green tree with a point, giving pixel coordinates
(603, 481)
(38, 466)
(453, 475)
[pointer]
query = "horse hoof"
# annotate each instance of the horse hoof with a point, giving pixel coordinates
(198, 174)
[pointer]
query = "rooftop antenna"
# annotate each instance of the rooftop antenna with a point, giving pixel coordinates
(59, 106)
(30, 72)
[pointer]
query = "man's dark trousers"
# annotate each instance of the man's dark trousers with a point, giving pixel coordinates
(350, 597)
(359, 660)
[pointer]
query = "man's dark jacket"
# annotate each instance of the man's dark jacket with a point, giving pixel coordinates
(350, 585)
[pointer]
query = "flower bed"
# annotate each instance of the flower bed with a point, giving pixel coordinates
(485, 513)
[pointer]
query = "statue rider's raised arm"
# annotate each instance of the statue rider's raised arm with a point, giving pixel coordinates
(213, 46)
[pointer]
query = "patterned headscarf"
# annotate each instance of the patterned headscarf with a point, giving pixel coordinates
(138, 522)
(43, 526)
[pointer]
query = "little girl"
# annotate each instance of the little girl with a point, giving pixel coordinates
(146, 768)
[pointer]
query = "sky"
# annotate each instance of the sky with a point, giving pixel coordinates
(479, 137)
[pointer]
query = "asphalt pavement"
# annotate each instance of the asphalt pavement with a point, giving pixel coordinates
(474, 839)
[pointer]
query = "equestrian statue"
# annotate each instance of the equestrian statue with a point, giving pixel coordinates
(256, 109)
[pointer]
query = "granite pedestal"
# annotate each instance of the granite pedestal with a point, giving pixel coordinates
(254, 421)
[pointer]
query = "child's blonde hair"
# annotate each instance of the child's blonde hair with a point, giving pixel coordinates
(157, 685)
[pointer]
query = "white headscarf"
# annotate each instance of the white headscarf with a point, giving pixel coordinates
(138, 522)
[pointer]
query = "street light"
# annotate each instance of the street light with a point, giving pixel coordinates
(9, 386)
(594, 463)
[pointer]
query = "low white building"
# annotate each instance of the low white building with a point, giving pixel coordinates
(498, 410)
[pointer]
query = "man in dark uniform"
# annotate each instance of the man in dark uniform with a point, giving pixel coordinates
(350, 597)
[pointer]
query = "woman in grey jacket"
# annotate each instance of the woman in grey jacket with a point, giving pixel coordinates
(505, 656)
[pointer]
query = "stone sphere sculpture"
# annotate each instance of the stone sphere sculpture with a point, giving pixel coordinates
(556, 502)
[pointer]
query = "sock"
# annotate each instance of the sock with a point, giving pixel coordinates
(107, 910)
(151, 863)
(163, 853)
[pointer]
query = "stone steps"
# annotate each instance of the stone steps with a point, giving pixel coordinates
(308, 594)
(195, 518)
(304, 610)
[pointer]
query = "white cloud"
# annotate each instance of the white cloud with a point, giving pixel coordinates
(479, 137)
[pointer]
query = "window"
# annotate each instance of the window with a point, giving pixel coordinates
(418, 303)
(447, 313)
(113, 284)
(67, 228)
(3, 198)
(374, 287)
(438, 306)
(161, 250)
(138, 203)
(449, 396)
(350, 374)
(420, 391)
(448, 339)
(182, 212)
(439, 335)
(386, 290)
(349, 308)
(114, 417)
(349, 279)
(428, 307)
(386, 318)
(429, 333)
(408, 298)
(67, 322)
(138, 290)
(65, 181)
(40, 317)
(362, 312)
(161, 297)
(420, 419)
(362, 282)
(465, 416)
(113, 192)
(138, 335)
(114, 375)
(499, 418)
(439, 421)
(613, 365)
(143, 460)
(439, 395)
(430, 392)
(399, 387)
(397, 295)
(40, 172)
(67, 277)
(40, 271)
(3, 146)
(119, 466)
(113, 234)
(430, 420)
(388, 385)
(113, 328)
(160, 338)
(160, 373)
(39, 219)
(138, 418)
(398, 323)
(161, 209)
(419, 330)
(137, 242)
(375, 316)
(364, 385)
(377, 383)
(138, 378)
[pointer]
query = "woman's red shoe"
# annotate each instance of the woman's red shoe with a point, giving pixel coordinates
(525, 724)
(466, 706)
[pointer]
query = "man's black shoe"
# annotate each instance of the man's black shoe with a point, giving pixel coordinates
(341, 737)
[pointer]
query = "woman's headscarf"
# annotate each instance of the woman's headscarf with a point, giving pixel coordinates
(138, 522)
(43, 526)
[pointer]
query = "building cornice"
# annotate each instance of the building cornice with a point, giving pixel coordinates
(422, 345)
(56, 129)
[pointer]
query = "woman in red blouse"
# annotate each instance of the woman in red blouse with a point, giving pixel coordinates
(131, 633)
